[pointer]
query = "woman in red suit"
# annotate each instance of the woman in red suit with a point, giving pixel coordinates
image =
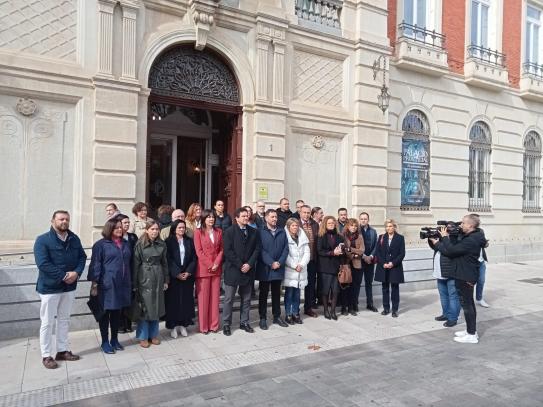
(209, 249)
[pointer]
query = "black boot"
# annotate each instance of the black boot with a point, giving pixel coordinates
(325, 306)
(344, 310)
(333, 307)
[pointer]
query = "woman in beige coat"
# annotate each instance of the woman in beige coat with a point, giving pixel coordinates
(354, 249)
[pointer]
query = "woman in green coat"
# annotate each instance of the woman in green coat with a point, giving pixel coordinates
(150, 279)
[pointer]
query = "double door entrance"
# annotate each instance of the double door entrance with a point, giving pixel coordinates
(190, 157)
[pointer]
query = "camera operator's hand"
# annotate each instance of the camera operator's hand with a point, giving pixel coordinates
(443, 231)
(433, 240)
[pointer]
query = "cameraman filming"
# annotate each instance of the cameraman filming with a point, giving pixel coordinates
(446, 285)
(465, 254)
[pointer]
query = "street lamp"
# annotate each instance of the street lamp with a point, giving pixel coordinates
(383, 99)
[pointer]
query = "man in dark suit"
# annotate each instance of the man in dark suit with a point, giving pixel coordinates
(369, 235)
(311, 229)
(241, 251)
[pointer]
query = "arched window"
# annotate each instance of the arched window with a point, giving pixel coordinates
(479, 167)
(532, 177)
(415, 188)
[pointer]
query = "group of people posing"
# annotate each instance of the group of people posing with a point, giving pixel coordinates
(144, 270)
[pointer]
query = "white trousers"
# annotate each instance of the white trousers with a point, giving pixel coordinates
(59, 305)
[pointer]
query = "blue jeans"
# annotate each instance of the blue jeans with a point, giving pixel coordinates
(480, 281)
(292, 301)
(146, 330)
(450, 304)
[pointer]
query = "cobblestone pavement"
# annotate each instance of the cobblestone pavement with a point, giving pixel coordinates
(410, 360)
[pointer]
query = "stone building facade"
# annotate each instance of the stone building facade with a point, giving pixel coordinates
(193, 100)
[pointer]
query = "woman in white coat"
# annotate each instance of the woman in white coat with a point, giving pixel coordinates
(295, 269)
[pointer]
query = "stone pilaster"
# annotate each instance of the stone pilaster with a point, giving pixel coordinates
(105, 36)
(130, 14)
(278, 68)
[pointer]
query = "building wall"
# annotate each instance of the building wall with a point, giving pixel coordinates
(311, 125)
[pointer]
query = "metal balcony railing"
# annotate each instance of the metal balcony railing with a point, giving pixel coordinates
(323, 12)
(486, 55)
(533, 69)
(421, 35)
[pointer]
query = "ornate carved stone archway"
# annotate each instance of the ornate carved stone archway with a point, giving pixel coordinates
(187, 77)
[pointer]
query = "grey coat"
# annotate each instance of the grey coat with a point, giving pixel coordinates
(150, 273)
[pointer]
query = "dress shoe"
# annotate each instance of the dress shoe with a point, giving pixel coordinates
(226, 330)
(247, 328)
(311, 313)
(333, 314)
(66, 355)
(49, 363)
(394, 314)
(449, 324)
(263, 324)
(297, 320)
(353, 312)
(289, 320)
(107, 348)
(344, 311)
(372, 308)
(155, 341)
(441, 318)
(385, 312)
(144, 344)
(327, 314)
(116, 345)
(280, 322)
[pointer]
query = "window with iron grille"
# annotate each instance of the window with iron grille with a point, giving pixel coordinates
(415, 185)
(479, 167)
(532, 175)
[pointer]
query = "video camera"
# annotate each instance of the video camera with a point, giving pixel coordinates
(453, 228)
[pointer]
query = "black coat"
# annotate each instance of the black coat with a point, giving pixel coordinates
(222, 223)
(132, 239)
(328, 263)
(239, 250)
(446, 264)
(465, 254)
(282, 217)
(179, 297)
(260, 221)
(395, 253)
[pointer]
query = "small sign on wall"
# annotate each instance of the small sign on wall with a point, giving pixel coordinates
(263, 193)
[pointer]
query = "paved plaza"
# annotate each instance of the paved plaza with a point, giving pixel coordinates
(364, 360)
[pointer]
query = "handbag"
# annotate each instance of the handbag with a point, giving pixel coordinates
(344, 276)
(94, 304)
(136, 312)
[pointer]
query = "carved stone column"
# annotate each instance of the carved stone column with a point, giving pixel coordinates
(130, 13)
(105, 36)
(203, 14)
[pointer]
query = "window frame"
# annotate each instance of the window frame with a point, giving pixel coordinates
(531, 173)
(480, 168)
(529, 25)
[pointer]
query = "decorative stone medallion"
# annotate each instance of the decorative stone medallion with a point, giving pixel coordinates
(317, 142)
(27, 107)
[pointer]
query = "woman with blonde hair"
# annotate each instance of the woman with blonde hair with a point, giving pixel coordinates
(192, 219)
(295, 269)
(390, 252)
(330, 245)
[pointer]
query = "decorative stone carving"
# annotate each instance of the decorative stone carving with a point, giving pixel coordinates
(203, 14)
(26, 107)
(190, 74)
(44, 27)
(318, 79)
(318, 142)
(39, 168)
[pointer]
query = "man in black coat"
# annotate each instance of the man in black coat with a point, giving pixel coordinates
(465, 254)
(241, 251)
(311, 229)
(369, 235)
(283, 213)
